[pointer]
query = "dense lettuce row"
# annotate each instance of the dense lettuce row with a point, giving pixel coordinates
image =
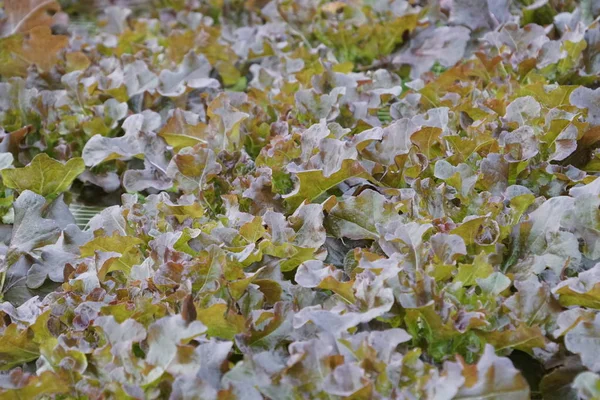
(225, 199)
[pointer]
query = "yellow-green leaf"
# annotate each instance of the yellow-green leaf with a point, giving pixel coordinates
(44, 175)
(220, 322)
(124, 245)
(313, 183)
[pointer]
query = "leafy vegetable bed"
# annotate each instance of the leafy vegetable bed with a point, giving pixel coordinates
(226, 199)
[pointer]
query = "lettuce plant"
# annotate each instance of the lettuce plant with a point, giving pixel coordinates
(374, 199)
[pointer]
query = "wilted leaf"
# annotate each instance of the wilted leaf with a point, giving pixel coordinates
(188, 309)
(24, 15)
(41, 47)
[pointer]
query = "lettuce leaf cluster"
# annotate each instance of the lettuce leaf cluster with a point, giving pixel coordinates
(363, 199)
